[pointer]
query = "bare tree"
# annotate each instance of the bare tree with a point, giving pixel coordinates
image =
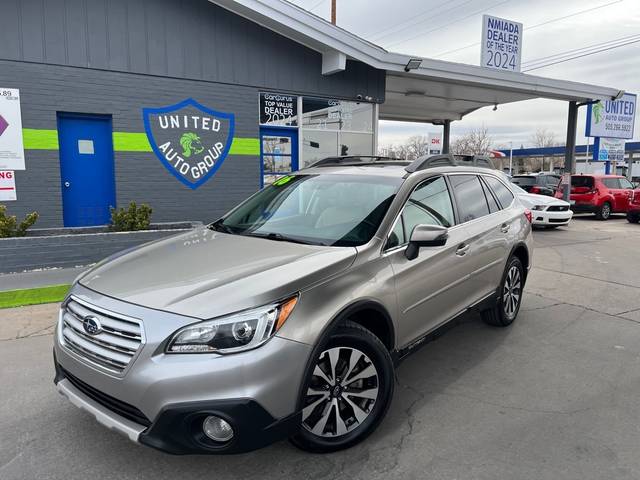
(415, 146)
(476, 142)
(544, 138)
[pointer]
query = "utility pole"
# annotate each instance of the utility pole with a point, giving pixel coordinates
(333, 11)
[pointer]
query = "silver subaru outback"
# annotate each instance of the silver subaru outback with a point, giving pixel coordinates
(285, 317)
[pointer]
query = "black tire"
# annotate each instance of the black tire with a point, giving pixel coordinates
(633, 217)
(502, 315)
(603, 212)
(347, 338)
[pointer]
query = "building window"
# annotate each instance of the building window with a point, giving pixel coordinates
(335, 127)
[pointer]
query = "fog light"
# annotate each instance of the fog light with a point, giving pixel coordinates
(217, 429)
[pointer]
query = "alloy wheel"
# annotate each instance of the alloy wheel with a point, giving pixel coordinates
(606, 210)
(341, 394)
(511, 292)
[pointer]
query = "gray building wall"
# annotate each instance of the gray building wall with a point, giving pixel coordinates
(117, 56)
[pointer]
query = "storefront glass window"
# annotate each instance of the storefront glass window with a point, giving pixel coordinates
(327, 114)
(318, 144)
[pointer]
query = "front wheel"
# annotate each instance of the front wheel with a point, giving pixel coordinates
(604, 211)
(347, 391)
(509, 296)
(633, 217)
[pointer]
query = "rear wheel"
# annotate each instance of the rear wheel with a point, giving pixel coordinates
(633, 217)
(603, 212)
(510, 296)
(347, 391)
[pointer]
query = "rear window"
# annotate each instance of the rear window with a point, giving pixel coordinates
(581, 181)
(524, 180)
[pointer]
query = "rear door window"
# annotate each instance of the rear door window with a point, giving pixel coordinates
(493, 204)
(470, 197)
(502, 193)
(611, 183)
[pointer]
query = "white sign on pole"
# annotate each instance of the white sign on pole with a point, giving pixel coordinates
(501, 44)
(435, 143)
(11, 147)
(611, 149)
(7, 185)
(612, 118)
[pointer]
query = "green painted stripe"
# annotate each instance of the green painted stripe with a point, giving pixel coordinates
(245, 146)
(39, 139)
(33, 296)
(35, 139)
(130, 142)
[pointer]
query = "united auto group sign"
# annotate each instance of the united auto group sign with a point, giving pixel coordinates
(190, 139)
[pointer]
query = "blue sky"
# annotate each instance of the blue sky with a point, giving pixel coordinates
(431, 28)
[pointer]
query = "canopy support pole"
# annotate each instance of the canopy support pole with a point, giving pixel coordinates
(446, 135)
(570, 146)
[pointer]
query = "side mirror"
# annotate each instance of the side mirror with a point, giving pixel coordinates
(425, 236)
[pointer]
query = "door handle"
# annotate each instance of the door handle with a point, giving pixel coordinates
(462, 250)
(67, 184)
(504, 228)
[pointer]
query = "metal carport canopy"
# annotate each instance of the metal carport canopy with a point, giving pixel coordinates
(434, 92)
(439, 90)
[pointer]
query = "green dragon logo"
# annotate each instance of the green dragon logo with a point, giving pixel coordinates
(190, 143)
(597, 112)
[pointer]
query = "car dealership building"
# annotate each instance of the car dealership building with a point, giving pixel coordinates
(192, 106)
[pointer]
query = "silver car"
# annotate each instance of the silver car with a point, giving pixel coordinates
(285, 317)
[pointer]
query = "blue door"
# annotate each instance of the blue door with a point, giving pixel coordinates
(278, 153)
(86, 169)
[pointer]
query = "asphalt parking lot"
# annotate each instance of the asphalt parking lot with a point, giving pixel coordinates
(555, 396)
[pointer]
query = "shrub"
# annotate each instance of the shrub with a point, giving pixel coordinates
(133, 218)
(9, 226)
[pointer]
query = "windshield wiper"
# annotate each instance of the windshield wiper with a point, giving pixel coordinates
(219, 226)
(282, 238)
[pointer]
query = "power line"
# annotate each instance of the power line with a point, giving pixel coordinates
(415, 20)
(579, 50)
(583, 55)
(527, 29)
(421, 34)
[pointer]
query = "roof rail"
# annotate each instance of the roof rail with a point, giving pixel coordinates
(353, 160)
(431, 161)
(481, 161)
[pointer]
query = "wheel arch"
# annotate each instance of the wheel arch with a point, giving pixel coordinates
(360, 306)
(521, 251)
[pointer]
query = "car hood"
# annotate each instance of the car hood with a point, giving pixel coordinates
(205, 274)
(531, 199)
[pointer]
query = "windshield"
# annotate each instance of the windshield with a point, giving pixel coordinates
(337, 210)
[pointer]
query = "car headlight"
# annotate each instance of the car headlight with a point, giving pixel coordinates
(233, 333)
(538, 207)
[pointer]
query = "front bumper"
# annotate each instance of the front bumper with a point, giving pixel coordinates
(584, 208)
(545, 218)
(178, 428)
(160, 397)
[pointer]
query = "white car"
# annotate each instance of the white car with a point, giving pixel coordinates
(548, 212)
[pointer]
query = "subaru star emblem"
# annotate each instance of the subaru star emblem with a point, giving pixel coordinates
(91, 325)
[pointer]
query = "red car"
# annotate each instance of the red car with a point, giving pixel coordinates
(599, 194)
(633, 214)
